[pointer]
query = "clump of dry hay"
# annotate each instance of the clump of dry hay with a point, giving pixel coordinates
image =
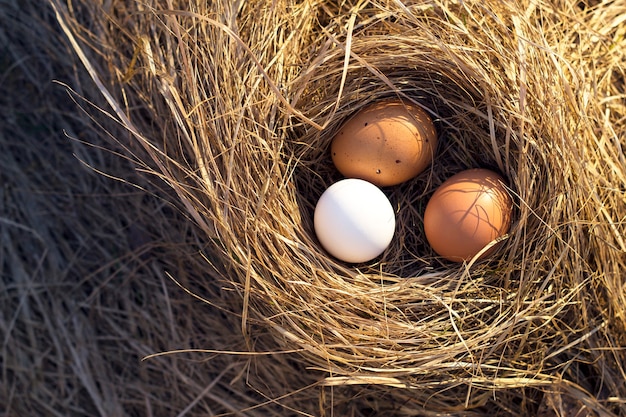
(234, 104)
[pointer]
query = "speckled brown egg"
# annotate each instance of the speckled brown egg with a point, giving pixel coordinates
(466, 213)
(386, 143)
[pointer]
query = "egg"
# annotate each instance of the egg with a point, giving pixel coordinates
(386, 143)
(354, 220)
(466, 213)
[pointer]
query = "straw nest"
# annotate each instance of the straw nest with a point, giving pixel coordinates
(233, 106)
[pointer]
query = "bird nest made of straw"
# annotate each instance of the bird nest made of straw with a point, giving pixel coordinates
(234, 104)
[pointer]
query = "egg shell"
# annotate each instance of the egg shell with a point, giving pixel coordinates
(386, 143)
(354, 221)
(467, 212)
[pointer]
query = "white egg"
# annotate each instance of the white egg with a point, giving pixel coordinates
(354, 220)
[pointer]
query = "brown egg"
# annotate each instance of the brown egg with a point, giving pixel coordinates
(385, 143)
(467, 212)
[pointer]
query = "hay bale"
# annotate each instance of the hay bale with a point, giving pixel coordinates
(234, 105)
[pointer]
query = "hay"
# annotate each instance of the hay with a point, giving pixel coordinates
(84, 258)
(233, 106)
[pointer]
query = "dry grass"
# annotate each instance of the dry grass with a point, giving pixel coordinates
(227, 110)
(84, 294)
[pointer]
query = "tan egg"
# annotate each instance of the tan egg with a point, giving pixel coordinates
(385, 143)
(467, 212)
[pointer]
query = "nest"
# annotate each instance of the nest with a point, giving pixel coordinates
(233, 105)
